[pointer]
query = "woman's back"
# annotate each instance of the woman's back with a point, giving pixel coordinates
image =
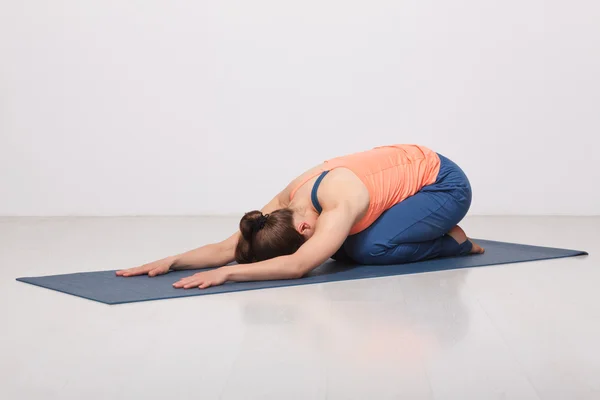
(388, 174)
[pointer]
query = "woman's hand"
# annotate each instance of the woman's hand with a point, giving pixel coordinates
(152, 269)
(203, 279)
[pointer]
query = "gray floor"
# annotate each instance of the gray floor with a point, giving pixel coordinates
(520, 331)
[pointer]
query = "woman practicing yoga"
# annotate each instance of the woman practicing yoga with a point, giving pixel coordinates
(389, 205)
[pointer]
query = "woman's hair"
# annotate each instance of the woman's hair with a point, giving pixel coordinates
(265, 236)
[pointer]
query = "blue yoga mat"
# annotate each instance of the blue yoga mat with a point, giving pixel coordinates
(106, 287)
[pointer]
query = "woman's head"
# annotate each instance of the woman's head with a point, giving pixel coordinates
(266, 236)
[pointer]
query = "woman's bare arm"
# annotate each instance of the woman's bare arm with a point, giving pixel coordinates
(331, 231)
(210, 255)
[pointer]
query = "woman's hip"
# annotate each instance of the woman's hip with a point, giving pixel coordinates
(451, 178)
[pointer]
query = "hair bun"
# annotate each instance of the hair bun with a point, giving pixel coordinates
(250, 222)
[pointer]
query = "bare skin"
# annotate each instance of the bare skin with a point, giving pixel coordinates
(344, 199)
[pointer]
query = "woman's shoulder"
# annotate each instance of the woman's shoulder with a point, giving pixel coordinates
(301, 179)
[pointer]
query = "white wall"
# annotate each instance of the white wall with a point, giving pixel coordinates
(192, 107)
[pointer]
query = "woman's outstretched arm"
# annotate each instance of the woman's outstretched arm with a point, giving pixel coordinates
(332, 229)
(210, 255)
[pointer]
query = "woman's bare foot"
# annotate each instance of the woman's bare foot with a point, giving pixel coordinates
(460, 236)
(477, 249)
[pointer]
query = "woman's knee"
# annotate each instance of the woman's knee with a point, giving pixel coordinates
(382, 254)
(364, 252)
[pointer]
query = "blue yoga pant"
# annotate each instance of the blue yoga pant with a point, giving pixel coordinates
(415, 229)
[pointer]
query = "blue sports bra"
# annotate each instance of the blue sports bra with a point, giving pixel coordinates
(313, 193)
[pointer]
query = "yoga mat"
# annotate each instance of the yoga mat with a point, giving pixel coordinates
(106, 287)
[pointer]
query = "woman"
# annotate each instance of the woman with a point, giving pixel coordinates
(388, 205)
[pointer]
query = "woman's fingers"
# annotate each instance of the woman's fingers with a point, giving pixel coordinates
(204, 285)
(156, 271)
(180, 283)
(152, 269)
(133, 271)
(201, 280)
(192, 284)
(189, 280)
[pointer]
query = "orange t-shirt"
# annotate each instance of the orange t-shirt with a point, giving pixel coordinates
(390, 173)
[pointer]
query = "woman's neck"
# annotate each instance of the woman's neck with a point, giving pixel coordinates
(303, 208)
